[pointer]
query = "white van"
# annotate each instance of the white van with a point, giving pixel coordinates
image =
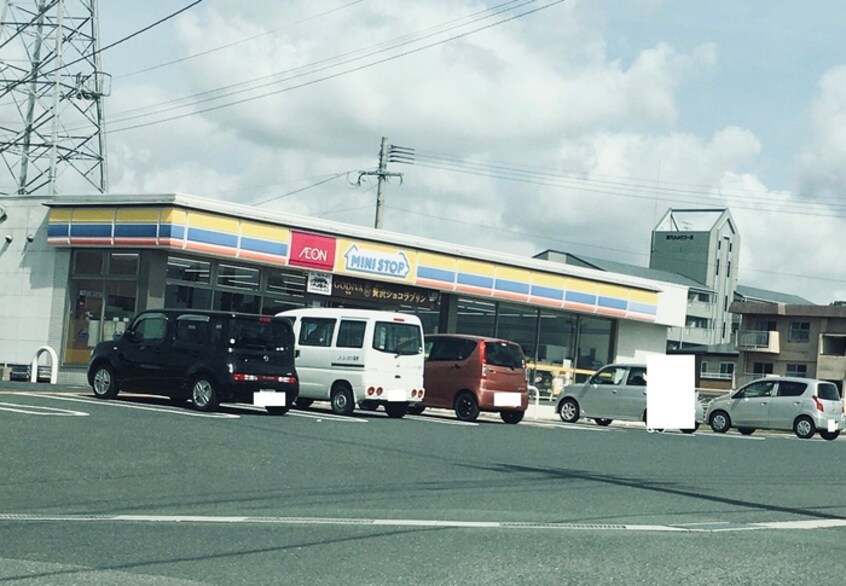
(358, 357)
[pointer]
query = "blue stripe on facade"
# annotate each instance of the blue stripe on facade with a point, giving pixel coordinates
(214, 238)
(91, 231)
(642, 308)
(172, 231)
(577, 297)
(57, 230)
(475, 280)
(613, 303)
(435, 274)
(264, 246)
(512, 286)
(135, 230)
(547, 292)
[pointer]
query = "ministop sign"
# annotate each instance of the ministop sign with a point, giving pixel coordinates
(373, 262)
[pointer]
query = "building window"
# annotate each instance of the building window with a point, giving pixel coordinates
(518, 323)
(238, 277)
(762, 368)
(800, 370)
(475, 317)
(717, 271)
(800, 331)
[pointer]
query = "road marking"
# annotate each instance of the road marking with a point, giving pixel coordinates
(712, 527)
(737, 437)
(108, 403)
(50, 411)
(431, 419)
(328, 416)
(307, 414)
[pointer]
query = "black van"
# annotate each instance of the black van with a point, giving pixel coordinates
(205, 356)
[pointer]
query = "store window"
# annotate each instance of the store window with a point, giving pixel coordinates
(188, 283)
(475, 317)
(103, 291)
(236, 301)
(595, 343)
(518, 323)
(238, 277)
(283, 290)
(556, 338)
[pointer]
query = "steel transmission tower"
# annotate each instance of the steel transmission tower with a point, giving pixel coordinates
(52, 135)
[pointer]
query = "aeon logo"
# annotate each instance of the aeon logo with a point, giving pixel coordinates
(313, 251)
(313, 254)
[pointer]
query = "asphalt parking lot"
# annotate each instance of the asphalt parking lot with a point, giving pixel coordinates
(139, 491)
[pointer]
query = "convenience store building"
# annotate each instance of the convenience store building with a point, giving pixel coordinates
(74, 270)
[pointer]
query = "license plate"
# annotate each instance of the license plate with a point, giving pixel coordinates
(397, 395)
(506, 399)
(832, 425)
(269, 399)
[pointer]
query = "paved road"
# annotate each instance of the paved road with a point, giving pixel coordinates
(136, 491)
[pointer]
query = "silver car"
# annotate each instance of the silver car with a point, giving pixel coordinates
(803, 405)
(616, 391)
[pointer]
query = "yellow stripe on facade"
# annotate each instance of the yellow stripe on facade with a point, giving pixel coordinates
(614, 291)
(265, 231)
(60, 215)
(213, 222)
(436, 261)
(150, 215)
(582, 286)
(547, 280)
(93, 214)
(174, 216)
(476, 268)
(512, 274)
(643, 296)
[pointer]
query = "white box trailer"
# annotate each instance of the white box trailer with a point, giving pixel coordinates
(358, 357)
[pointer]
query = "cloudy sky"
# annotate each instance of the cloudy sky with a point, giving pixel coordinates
(572, 125)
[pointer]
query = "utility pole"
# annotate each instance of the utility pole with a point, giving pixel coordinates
(382, 175)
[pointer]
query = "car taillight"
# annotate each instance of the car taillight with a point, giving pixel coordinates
(371, 390)
(817, 403)
(379, 391)
(484, 359)
(240, 377)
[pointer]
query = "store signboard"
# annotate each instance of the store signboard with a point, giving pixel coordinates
(380, 261)
(319, 283)
(312, 251)
(387, 293)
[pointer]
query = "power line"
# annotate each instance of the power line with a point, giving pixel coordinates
(620, 188)
(275, 197)
(332, 75)
(239, 42)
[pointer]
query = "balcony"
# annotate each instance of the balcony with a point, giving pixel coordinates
(758, 341)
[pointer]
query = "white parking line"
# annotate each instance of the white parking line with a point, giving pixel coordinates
(441, 420)
(307, 414)
(50, 411)
(100, 402)
(713, 527)
(328, 416)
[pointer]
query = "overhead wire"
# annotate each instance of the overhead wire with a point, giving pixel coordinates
(332, 75)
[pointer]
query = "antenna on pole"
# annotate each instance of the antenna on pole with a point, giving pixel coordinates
(382, 175)
(51, 98)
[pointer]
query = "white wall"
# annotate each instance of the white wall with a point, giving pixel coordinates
(33, 279)
(636, 340)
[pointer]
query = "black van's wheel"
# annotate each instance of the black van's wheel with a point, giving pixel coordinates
(466, 407)
(342, 401)
(277, 410)
(396, 410)
(512, 417)
(301, 403)
(568, 411)
(203, 394)
(804, 427)
(104, 383)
